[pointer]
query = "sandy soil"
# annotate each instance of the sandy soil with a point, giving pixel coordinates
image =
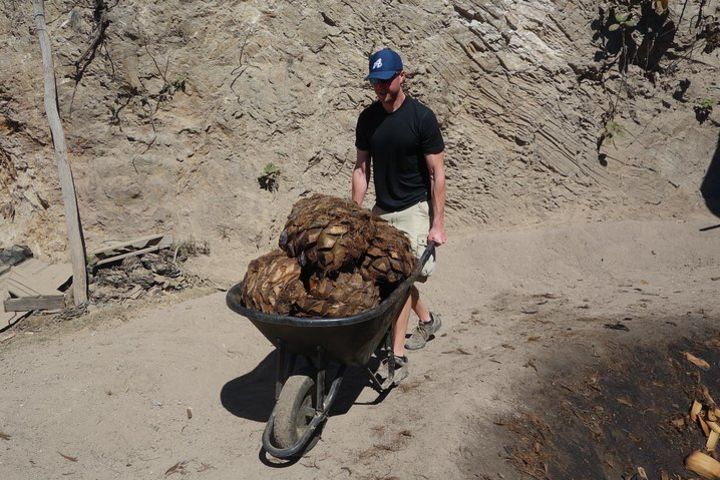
(185, 105)
(106, 396)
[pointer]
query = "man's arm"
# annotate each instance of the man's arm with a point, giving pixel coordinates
(437, 196)
(361, 176)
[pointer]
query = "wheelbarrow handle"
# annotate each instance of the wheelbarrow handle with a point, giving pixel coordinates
(429, 251)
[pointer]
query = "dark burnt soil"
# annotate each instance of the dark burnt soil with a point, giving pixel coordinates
(605, 415)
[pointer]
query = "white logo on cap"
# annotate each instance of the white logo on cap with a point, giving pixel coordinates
(377, 64)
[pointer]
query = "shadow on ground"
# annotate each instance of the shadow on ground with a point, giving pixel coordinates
(603, 416)
(252, 395)
(710, 188)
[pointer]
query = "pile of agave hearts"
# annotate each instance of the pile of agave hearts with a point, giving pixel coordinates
(335, 260)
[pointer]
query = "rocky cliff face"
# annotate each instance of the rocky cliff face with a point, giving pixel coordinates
(172, 111)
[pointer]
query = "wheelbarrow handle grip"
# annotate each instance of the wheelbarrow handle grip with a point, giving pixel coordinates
(429, 250)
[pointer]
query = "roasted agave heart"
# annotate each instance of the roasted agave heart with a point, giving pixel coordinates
(326, 233)
(389, 258)
(341, 295)
(268, 278)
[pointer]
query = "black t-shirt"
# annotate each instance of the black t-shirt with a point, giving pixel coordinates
(398, 143)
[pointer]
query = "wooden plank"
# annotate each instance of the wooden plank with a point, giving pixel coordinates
(131, 254)
(43, 278)
(6, 318)
(127, 249)
(76, 241)
(39, 302)
(30, 278)
(136, 243)
(18, 289)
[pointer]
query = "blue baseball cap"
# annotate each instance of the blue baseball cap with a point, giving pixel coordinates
(384, 64)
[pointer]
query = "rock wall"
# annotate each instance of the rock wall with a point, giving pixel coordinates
(176, 112)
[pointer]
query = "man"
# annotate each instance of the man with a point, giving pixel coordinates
(401, 138)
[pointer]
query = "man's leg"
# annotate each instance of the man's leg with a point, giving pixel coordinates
(428, 323)
(418, 306)
(400, 329)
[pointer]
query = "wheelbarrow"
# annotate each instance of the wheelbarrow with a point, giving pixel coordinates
(304, 397)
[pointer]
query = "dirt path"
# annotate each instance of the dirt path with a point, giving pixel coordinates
(107, 396)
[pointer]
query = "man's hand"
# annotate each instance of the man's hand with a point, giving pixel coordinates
(437, 235)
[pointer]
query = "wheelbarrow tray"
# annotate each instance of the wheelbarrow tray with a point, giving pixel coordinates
(347, 340)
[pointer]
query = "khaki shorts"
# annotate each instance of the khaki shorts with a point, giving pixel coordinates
(415, 222)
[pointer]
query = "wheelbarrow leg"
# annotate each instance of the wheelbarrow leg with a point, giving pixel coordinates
(373, 380)
(320, 379)
(377, 385)
(279, 368)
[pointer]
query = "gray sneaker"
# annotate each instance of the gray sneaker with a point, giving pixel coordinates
(422, 333)
(401, 372)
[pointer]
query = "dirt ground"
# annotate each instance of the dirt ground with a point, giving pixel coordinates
(573, 282)
(525, 311)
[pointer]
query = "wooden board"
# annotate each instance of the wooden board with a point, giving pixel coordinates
(130, 248)
(76, 242)
(6, 318)
(31, 278)
(38, 302)
(38, 277)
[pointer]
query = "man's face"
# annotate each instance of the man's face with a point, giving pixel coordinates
(388, 90)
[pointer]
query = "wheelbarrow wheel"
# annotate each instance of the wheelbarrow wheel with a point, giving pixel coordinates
(294, 410)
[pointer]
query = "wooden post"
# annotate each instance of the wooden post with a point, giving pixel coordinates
(72, 217)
